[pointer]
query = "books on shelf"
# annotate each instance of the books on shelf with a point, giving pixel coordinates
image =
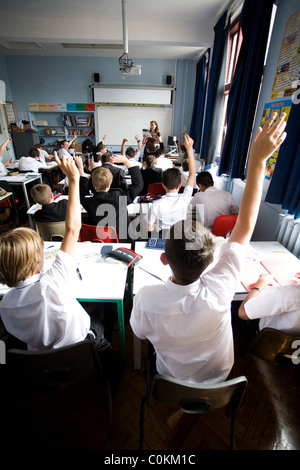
(70, 120)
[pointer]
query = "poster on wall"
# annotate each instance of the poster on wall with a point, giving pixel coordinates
(283, 106)
(287, 75)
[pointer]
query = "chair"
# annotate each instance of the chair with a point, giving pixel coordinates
(49, 230)
(155, 188)
(98, 233)
(194, 398)
(42, 373)
(224, 224)
(275, 346)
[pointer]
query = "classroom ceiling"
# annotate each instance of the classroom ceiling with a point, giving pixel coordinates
(158, 29)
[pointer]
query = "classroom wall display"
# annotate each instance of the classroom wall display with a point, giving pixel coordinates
(119, 121)
(61, 107)
(288, 68)
(283, 106)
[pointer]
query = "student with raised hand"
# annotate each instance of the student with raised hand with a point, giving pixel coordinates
(41, 309)
(131, 153)
(172, 207)
(65, 147)
(188, 319)
(3, 169)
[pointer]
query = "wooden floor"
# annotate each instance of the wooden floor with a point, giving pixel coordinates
(77, 419)
(268, 418)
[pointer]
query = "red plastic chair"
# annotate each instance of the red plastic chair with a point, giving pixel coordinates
(97, 233)
(224, 224)
(155, 188)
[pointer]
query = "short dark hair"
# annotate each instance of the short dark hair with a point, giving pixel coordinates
(34, 153)
(189, 249)
(171, 178)
(130, 152)
(205, 179)
(159, 151)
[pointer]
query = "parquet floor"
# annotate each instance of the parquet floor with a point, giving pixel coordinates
(268, 418)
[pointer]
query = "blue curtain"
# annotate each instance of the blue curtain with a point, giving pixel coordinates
(216, 87)
(199, 101)
(285, 183)
(243, 96)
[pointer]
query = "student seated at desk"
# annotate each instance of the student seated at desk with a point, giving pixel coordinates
(132, 154)
(41, 309)
(44, 155)
(270, 306)
(188, 319)
(173, 206)
(3, 169)
(150, 172)
(65, 146)
(119, 179)
(161, 160)
(51, 211)
(106, 205)
(215, 201)
(31, 162)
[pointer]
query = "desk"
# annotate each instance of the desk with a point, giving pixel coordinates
(23, 180)
(102, 280)
(257, 252)
(49, 170)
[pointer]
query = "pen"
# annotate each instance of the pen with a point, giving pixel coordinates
(151, 274)
(48, 247)
(79, 273)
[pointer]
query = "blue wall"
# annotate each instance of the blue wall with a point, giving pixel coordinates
(41, 79)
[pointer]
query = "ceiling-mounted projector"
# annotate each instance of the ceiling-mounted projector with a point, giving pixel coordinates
(128, 67)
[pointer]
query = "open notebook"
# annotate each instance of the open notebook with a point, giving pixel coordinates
(284, 272)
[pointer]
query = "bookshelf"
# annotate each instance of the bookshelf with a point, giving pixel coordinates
(62, 122)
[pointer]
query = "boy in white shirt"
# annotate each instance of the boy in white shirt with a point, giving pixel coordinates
(31, 162)
(173, 206)
(274, 306)
(188, 319)
(65, 147)
(215, 201)
(41, 309)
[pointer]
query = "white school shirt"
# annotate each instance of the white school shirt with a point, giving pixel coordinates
(29, 164)
(3, 169)
(277, 307)
(43, 155)
(42, 310)
(185, 177)
(62, 152)
(190, 326)
(163, 163)
(171, 208)
(216, 202)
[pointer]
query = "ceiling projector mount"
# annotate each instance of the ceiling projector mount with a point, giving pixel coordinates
(127, 66)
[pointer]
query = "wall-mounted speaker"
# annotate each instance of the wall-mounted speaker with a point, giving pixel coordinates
(96, 77)
(169, 80)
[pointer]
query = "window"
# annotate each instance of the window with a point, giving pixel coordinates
(235, 41)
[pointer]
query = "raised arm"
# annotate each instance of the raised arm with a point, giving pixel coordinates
(188, 142)
(265, 143)
(73, 140)
(123, 146)
(138, 142)
(2, 146)
(73, 216)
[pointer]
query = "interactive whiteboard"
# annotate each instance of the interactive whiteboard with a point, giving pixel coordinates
(126, 121)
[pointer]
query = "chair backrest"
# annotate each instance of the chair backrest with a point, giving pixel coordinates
(275, 346)
(56, 366)
(197, 398)
(224, 224)
(98, 233)
(155, 188)
(49, 230)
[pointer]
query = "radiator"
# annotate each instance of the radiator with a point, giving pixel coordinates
(288, 233)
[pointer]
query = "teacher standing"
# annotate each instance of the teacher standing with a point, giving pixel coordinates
(154, 134)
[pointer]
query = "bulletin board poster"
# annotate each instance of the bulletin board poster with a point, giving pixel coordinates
(288, 67)
(283, 106)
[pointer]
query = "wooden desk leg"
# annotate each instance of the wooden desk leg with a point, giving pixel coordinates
(120, 310)
(137, 352)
